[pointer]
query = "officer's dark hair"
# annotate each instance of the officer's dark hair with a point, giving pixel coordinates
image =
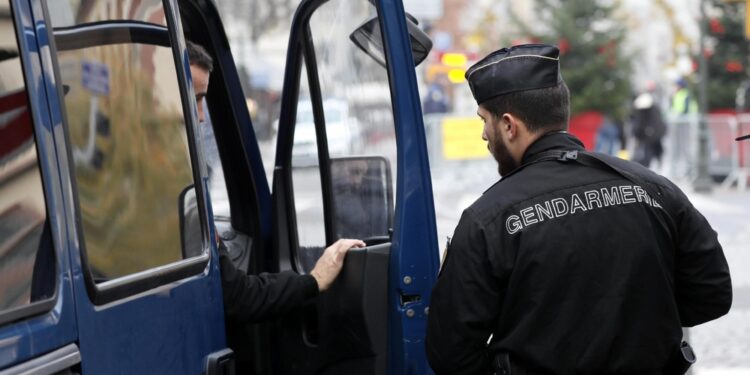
(199, 56)
(546, 109)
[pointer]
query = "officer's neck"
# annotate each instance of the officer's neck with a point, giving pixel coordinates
(533, 138)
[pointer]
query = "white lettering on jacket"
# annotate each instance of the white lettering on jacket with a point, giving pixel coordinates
(578, 204)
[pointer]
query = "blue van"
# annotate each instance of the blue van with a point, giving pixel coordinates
(103, 165)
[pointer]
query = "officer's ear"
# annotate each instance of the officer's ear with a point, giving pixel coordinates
(509, 125)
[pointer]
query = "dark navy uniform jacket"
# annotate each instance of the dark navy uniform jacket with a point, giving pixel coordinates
(574, 269)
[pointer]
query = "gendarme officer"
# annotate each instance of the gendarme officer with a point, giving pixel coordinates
(575, 262)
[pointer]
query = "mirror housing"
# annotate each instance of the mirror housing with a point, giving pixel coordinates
(362, 198)
(369, 39)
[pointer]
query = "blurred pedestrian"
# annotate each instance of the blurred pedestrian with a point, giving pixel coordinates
(436, 100)
(683, 102)
(574, 262)
(648, 128)
(608, 137)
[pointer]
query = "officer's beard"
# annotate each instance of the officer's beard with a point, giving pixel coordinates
(505, 162)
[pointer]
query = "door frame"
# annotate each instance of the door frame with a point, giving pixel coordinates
(414, 260)
(50, 325)
(160, 301)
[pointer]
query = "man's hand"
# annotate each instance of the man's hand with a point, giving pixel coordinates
(330, 263)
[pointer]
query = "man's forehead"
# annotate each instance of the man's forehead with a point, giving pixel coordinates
(199, 68)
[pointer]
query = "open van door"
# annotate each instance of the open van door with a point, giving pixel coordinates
(132, 183)
(359, 55)
(38, 331)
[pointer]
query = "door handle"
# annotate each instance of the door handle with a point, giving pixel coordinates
(220, 363)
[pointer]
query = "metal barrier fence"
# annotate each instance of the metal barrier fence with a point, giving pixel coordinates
(729, 161)
(728, 164)
(741, 173)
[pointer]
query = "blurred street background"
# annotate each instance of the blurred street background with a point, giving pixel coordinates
(661, 82)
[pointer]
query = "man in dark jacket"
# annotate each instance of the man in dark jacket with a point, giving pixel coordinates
(563, 267)
(648, 128)
(251, 298)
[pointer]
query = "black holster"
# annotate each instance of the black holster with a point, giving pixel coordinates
(680, 360)
(501, 364)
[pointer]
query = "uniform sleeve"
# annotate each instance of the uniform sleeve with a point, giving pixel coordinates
(251, 298)
(464, 305)
(703, 287)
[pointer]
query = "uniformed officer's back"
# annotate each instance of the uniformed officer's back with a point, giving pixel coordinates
(573, 268)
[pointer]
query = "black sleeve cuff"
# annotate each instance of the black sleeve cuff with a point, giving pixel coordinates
(310, 286)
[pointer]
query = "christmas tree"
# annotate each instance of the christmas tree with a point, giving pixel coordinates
(726, 53)
(593, 63)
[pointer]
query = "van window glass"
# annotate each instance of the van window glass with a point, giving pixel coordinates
(358, 122)
(217, 185)
(355, 88)
(27, 261)
(258, 36)
(127, 133)
(306, 183)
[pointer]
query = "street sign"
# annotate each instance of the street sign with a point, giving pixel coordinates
(462, 138)
(455, 60)
(95, 77)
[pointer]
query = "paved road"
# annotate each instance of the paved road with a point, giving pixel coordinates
(724, 344)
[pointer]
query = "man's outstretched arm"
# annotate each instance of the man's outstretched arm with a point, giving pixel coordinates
(258, 297)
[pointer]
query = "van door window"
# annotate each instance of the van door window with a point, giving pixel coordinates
(127, 133)
(27, 261)
(217, 186)
(306, 183)
(356, 103)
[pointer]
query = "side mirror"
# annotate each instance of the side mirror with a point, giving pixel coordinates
(369, 39)
(190, 223)
(362, 198)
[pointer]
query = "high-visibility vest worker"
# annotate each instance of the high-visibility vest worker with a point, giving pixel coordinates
(682, 102)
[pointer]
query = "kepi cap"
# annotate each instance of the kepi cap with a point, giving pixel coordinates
(518, 68)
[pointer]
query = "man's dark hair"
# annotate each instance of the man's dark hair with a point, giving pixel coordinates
(199, 56)
(546, 109)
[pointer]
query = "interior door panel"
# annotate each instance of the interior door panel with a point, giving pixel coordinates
(345, 332)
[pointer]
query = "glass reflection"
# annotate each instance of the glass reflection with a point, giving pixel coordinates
(127, 133)
(27, 267)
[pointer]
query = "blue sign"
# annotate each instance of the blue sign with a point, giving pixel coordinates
(95, 77)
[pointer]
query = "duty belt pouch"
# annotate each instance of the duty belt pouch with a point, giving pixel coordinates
(680, 360)
(501, 364)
